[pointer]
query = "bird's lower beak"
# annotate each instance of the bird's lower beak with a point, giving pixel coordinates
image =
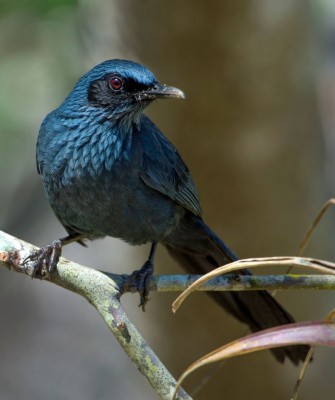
(160, 91)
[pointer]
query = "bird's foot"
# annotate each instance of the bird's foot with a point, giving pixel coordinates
(139, 281)
(45, 260)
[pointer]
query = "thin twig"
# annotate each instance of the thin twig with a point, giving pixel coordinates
(302, 373)
(316, 221)
(302, 248)
(310, 263)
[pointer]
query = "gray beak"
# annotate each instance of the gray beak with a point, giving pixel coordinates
(160, 91)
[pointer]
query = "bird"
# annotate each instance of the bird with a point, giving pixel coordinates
(107, 170)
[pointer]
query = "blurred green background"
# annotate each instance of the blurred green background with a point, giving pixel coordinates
(257, 131)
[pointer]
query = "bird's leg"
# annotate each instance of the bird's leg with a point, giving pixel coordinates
(139, 280)
(46, 258)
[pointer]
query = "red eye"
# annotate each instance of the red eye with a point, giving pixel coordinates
(115, 83)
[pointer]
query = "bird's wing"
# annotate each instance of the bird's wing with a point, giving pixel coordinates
(164, 170)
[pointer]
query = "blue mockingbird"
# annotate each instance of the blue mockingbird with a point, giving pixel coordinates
(109, 171)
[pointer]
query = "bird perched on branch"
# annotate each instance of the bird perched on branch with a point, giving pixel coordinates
(109, 171)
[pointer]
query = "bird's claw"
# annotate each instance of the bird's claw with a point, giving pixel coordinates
(45, 260)
(139, 281)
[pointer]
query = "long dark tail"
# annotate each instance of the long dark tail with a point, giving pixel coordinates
(199, 250)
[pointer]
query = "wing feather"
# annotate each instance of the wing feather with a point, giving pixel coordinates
(164, 170)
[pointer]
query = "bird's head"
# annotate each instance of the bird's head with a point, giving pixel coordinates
(123, 88)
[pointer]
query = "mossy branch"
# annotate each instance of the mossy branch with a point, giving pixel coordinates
(104, 294)
(103, 291)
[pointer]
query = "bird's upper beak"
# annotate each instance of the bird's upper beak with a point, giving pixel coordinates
(160, 91)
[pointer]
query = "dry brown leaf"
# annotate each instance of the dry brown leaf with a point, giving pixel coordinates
(310, 263)
(314, 333)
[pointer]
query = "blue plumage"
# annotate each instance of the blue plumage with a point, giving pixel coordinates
(108, 171)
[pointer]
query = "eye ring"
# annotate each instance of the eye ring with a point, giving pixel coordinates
(115, 83)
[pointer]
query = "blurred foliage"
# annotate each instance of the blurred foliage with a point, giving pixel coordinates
(33, 79)
(38, 6)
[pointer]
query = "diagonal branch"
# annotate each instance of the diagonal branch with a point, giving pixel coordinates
(103, 291)
(104, 294)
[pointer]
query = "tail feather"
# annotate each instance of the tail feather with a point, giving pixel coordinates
(199, 251)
